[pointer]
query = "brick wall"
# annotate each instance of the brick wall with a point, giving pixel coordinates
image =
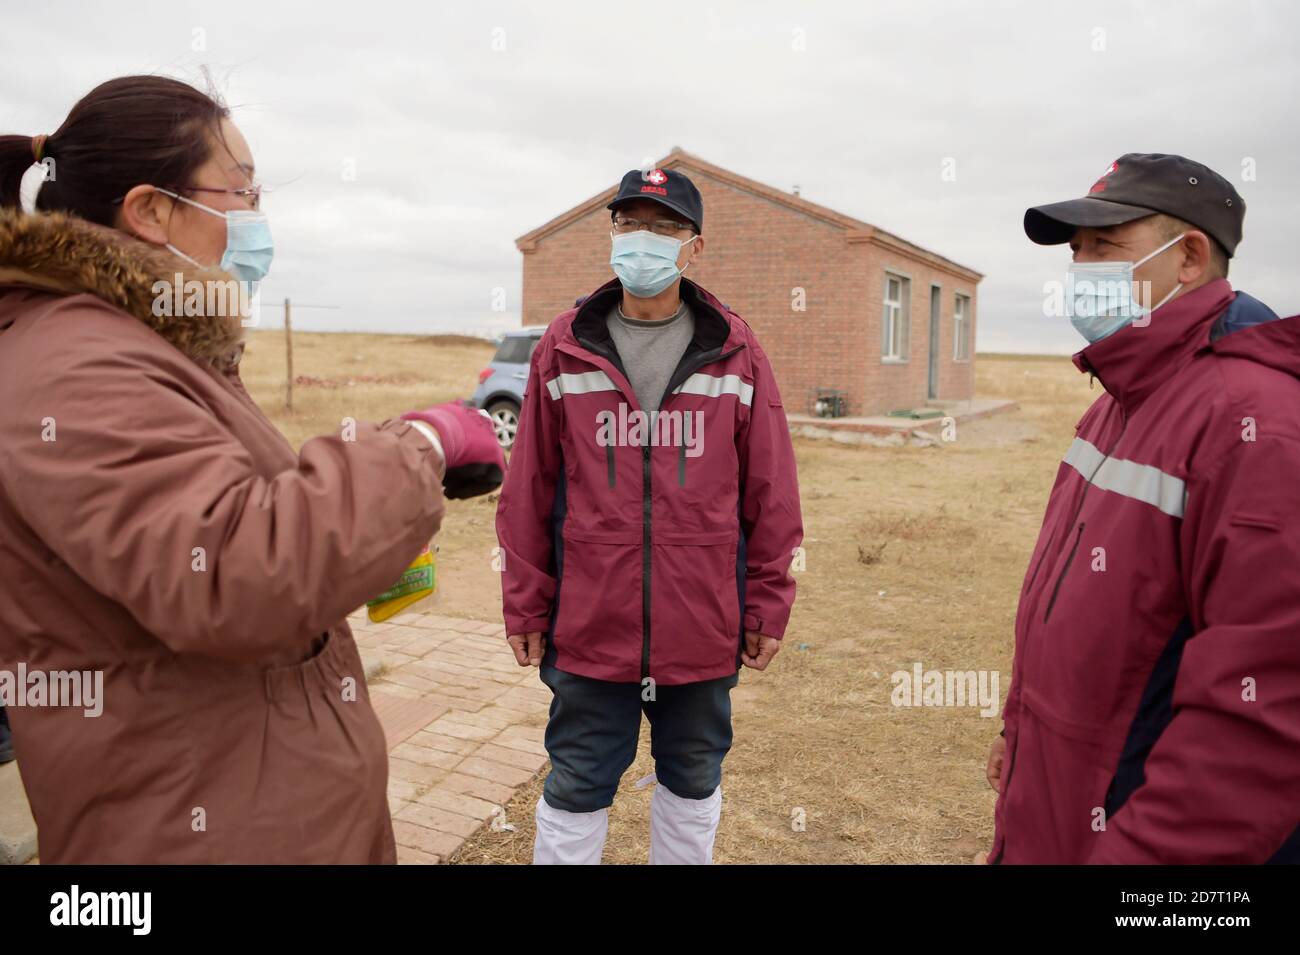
(887, 386)
(756, 253)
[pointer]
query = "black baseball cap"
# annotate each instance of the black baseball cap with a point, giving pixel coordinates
(668, 187)
(1142, 184)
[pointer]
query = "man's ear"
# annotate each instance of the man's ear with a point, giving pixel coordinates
(698, 249)
(1197, 253)
(144, 214)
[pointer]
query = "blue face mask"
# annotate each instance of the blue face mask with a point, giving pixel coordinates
(646, 263)
(249, 248)
(1099, 295)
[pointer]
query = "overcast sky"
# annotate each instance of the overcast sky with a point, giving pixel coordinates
(467, 126)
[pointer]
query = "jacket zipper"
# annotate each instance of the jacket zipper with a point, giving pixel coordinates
(1087, 485)
(676, 378)
(1037, 567)
(1011, 754)
(1078, 536)
(645, 563)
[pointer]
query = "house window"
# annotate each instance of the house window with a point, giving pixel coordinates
(895, 318)
(961, 329)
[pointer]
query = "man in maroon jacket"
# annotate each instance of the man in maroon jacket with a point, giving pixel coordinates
(648, 523)
(1154, 711)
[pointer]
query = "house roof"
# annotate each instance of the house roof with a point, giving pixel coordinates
(856, 230)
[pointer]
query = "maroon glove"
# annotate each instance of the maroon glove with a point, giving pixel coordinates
(475, 462)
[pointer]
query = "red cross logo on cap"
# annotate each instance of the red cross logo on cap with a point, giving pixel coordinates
(658, 177)
(1100, 184)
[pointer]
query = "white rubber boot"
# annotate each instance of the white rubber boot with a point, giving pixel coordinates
(569, 838)
(682, 830)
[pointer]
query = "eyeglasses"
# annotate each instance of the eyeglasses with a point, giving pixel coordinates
(668, 227)
(251, 193)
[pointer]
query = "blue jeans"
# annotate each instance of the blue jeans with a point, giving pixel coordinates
(595, 724)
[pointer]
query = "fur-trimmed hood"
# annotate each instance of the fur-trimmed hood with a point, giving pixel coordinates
(68, 255)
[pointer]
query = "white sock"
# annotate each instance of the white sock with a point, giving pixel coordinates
(682, 830)
(569, 838)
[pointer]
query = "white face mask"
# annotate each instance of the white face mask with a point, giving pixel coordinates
(644, 262)
(249, 248)
(1099, 295)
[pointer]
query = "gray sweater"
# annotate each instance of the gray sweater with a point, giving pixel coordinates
(650, 350)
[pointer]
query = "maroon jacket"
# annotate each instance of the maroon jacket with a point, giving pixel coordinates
(648, 560)
(1154, 712)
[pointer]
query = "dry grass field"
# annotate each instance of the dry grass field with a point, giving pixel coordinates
(913, 555)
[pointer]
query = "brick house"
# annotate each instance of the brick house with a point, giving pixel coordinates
(837, 303)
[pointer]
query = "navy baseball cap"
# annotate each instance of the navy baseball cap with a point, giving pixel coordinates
(668, 187)
(1142, 184)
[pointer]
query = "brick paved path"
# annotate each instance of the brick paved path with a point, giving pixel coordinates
(464, 725)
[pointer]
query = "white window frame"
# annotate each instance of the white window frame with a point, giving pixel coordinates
(896, 320)
(961, 327)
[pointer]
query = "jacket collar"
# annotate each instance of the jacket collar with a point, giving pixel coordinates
(1274, 344)
(1245, 311)
(713, 329)
(67, 255)
(1132, 363)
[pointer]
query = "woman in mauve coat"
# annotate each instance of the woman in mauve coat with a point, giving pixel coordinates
(155, 527)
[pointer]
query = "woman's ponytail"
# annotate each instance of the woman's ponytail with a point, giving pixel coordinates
(126, 132)
(16, 157)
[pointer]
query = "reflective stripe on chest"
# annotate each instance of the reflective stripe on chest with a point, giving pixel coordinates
(1141, 482)
(709, 386)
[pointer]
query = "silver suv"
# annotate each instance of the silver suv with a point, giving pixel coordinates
(501, 384)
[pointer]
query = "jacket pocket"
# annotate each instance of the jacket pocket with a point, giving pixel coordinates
(336, 658)
(322, 766)
(598, 610)
(695, 599)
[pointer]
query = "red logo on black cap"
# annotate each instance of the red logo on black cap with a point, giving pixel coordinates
(1100, 184)
(658, 177)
